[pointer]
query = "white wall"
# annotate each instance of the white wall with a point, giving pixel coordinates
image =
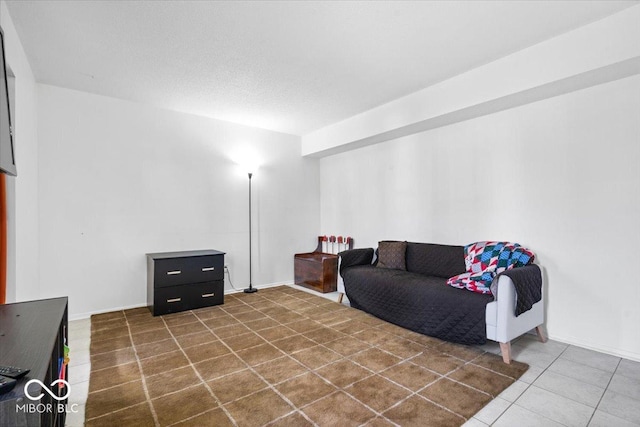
(560, 176)
(118, 180)
(22, 191)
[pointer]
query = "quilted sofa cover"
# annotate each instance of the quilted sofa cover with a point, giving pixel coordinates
(418, 298)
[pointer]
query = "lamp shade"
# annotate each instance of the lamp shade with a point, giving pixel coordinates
(247, 160)
(249, 167)
(248, 164)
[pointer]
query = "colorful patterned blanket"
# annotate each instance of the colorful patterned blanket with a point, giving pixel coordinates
(485, 260)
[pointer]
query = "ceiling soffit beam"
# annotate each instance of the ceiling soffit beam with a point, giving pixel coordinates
(597, 53)
(602, 75)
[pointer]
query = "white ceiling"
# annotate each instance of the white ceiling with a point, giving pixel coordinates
(287, 66)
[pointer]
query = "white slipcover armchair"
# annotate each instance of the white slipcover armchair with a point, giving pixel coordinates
(502, 324)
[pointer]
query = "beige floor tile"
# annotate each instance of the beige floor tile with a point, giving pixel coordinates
(620, 406)
(555, 407)
(591, 358)
(518, 416)
(581, 372)
(571, 388)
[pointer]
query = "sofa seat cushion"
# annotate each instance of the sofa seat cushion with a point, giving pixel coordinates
(417, 302)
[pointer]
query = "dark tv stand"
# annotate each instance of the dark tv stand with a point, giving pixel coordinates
(32, 336)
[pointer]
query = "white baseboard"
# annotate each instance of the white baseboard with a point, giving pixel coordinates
(86, 315)
(595, 347)
(267, 285)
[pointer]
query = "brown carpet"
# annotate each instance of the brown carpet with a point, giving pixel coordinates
(282, 357)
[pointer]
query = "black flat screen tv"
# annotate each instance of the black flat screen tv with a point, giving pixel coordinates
(7, 153)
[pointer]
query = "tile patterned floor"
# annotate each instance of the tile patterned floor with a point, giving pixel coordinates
(235, 354)
(564, 386)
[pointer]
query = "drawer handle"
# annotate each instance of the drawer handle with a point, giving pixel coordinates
(208, 295)
(208, 268)
(171, 273)
(174, 300)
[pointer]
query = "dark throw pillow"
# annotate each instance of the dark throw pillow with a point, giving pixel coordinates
(392, 255)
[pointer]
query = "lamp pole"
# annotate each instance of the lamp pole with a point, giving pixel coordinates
(250, 289)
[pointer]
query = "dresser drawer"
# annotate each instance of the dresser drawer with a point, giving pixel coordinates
(171, 299)
(205, 268)
(206, 294)
(180, 271)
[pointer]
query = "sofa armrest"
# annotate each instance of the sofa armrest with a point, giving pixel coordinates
(527, 276)
(502, 323)
(354, 257)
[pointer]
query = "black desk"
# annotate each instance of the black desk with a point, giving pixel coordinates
(32, 336)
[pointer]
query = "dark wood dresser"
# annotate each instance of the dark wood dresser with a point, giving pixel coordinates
(178, 281)
(32, 336)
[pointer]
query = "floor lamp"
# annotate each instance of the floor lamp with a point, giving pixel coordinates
(250, 289)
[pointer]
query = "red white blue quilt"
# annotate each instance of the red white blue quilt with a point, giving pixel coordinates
(485, 260)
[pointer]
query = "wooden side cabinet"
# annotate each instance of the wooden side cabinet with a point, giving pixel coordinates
(317, 271)
(179, 281)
